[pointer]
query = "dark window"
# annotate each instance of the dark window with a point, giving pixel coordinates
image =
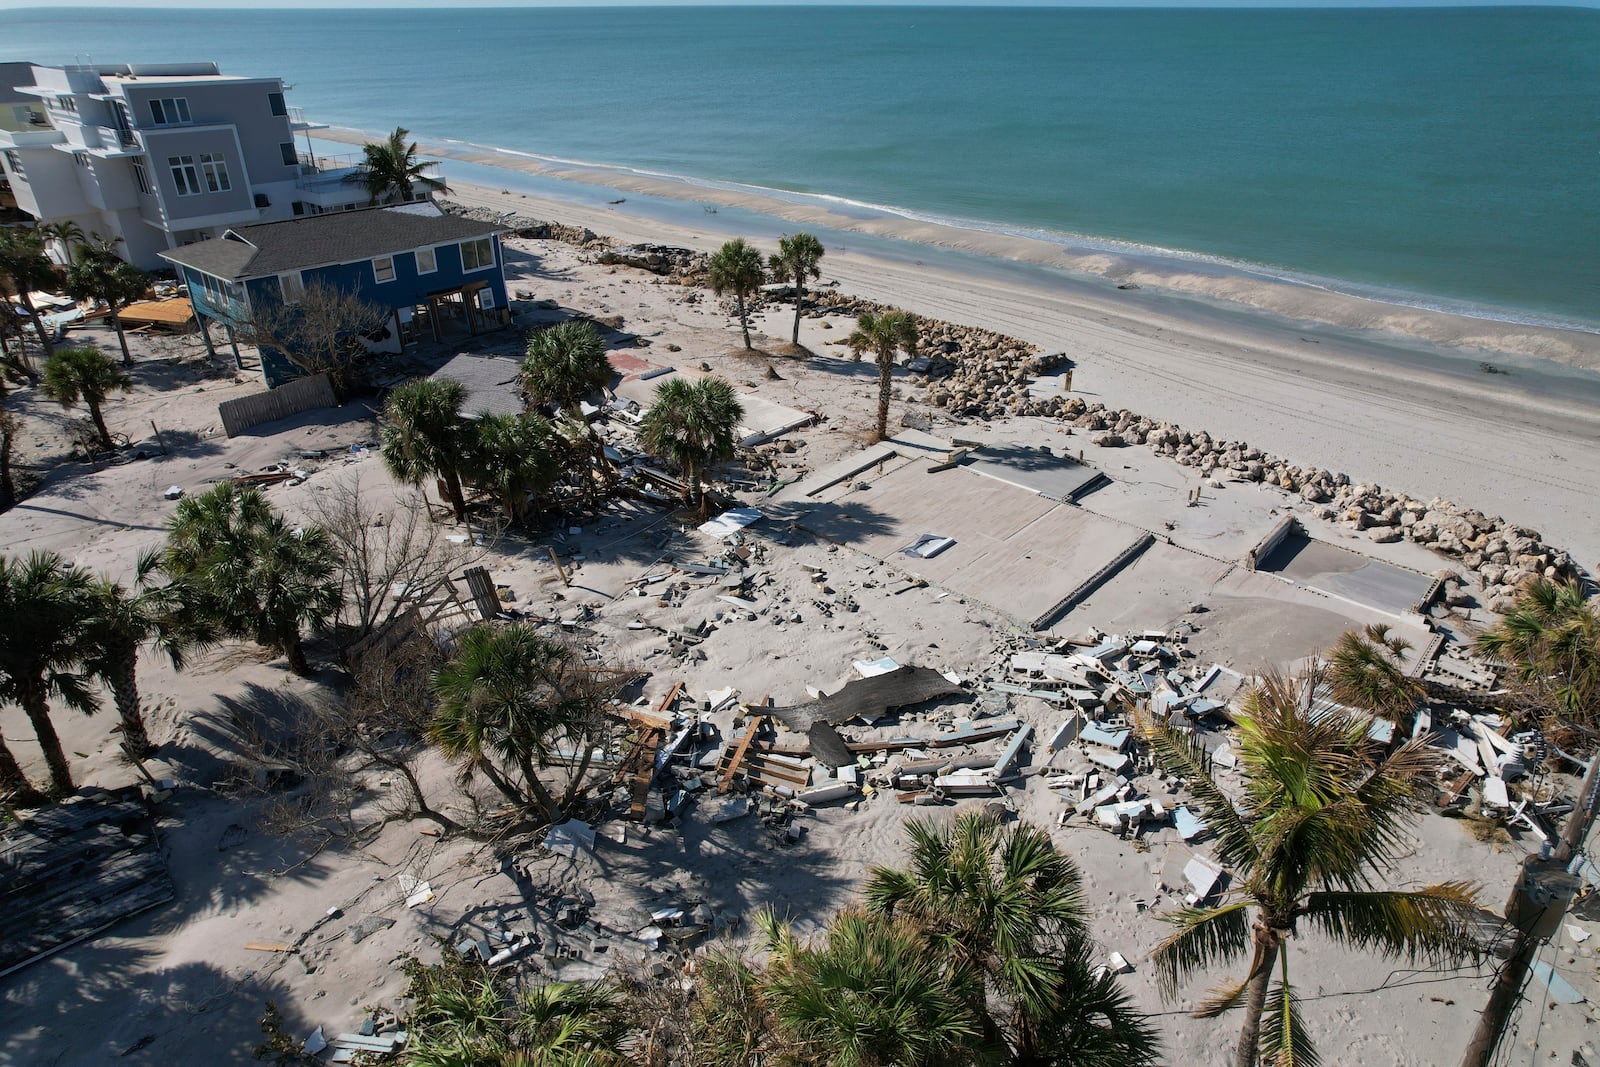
(299, 208)
(275, 101)
(289, 157)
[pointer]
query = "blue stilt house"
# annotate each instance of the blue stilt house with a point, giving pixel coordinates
(439, 276)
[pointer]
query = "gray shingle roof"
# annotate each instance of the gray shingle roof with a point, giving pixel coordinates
(268, 248)
(491, 383)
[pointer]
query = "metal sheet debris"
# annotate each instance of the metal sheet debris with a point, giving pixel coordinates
(898, 688)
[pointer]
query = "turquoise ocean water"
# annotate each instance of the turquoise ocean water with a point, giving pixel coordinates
(1442, 157)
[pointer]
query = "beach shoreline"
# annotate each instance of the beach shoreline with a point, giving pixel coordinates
(1524, 444)
(1066, 260)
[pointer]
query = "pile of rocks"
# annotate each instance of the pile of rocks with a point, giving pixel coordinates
(682, 264)
(1501, 555)
(530, 228)
(970, 372)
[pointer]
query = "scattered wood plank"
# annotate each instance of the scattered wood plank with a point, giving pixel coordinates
(731, 764)
(261, 946)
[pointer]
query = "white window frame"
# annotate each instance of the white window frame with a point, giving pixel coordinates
(473, 244)
(433, 260)
(170, 111)
(185, 175)
(291, 287)
(214, 165)
(378, 275)
(82, 160)
(141, 177)
(14, 161)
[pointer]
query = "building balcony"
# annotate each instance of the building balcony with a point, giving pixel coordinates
(299, 122)
(115, 143)
(31, 138)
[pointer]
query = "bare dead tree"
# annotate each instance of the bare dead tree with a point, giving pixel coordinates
(390, 554)
(351, 765)
(321, 332)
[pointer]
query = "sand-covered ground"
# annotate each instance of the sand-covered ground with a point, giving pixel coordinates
(177, 984)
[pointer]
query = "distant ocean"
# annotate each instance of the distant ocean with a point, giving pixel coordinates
(1439, 157)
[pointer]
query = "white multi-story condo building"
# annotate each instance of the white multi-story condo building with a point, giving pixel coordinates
(163, 155)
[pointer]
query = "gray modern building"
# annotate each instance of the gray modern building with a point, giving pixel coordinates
(161, 155)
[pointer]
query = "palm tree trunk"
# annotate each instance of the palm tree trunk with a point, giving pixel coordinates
(124, 683)
(458, 502)
(574, 789)
(38, 323)
(8, 487)
(99, 424)
(14, 782)
(552, 811)
(799, 301)
(37, 705)
(744, 320)
(295, 650)
(1266, 938)
(122, 338)
(885, 386)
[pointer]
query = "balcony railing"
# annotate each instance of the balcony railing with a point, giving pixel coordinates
(328, 164)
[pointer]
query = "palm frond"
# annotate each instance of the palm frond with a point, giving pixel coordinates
(1222, 998)
(1184, 754)
(1438, 923)
(1205, 937)
(1285, 1042)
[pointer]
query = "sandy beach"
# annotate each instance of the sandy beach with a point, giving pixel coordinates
(193, 975)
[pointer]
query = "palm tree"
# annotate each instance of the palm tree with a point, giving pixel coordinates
(514, 455)
(563, 364)
(121, 624)
(24, 267)
(466, 1015)
(882, 334)
(239, 565)
(1323, 813)
(870, 995)
(45, 604)
(1551, 640)
(796, 258)
(736, 268)
(66, 233)
(506, 698)
(9, 427)
(98, 274)
(424, 435)
(1364, 671)
(692, 425)
(85, 374)
(1002, 906)
(390, 170)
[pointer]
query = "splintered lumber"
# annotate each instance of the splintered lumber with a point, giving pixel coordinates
(765, 767)
(731, 767)
(644, 773)
(671, 699)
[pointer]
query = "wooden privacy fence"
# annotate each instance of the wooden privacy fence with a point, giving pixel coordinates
(302, 394)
